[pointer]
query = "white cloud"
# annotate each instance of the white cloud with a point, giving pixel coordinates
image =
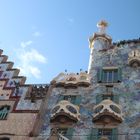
(25, 44)
(37, 34)
(30, 70)
(31, 56)
(29, 60)
(35, 71)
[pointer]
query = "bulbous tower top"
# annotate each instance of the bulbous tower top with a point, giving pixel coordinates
(102, 25)
(100, 35)
(97, 42)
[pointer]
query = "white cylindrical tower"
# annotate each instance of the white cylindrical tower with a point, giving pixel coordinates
(98, 42)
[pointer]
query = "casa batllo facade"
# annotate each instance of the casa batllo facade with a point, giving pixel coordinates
(102, 103)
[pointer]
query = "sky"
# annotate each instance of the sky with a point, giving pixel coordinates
(46, 37)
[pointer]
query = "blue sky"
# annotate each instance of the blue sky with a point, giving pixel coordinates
(45, 37)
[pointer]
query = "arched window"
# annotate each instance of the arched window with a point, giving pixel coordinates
(4, 110)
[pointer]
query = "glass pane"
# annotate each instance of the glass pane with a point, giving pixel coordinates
(108, 97)
(105, 76)
(54, 110)
(70, 98)
(115, 78)
(105, 132)
(71, 109)
(110, 76)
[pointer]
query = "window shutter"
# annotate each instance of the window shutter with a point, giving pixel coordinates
(3, 113)
(115, 134)
(115, 76)
(73, 99)
(119, 74)
(69, 133)
(61, 97)
(99, 98)
(88, 137)
(78, 100)
(94, 134)
(99, 75)
(116, 98)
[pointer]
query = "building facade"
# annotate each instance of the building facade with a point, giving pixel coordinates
(102, 103)
(19, 103)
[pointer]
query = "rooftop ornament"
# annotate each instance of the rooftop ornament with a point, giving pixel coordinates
(38, 92)
(101, 34)
(72, 80)
(102, 25)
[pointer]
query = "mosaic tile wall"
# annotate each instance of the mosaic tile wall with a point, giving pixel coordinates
(128, 91)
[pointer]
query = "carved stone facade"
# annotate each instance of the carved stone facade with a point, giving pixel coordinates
(134, 58)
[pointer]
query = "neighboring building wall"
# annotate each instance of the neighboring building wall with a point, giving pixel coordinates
(18, 112)
(18, 124)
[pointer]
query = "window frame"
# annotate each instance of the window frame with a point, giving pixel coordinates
(76, 100)
(70, 98)
(104, 75)
(4, 111)
(103, 131)
(95, 136)
(100, 98)
(68, 132)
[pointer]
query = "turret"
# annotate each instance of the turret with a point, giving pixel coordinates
(98, 42)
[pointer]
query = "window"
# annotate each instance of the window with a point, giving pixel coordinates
(67, 132)
(70, 98)
(74, 99)
(108, 75)
(105, 132)
(112, 134)
(109, 89)
(107, 96)
(71, 109)
(101, 97)
(4, 110)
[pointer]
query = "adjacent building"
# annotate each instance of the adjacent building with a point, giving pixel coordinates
(19, 103)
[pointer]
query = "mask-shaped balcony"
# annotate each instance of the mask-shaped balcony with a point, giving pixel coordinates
(107, 112)
(64, 112)
(72, 80)
(134, 58)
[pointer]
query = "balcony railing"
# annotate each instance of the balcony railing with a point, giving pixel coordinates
(61, 137)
